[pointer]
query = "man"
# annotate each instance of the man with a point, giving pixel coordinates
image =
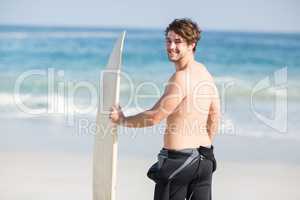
(190, 104)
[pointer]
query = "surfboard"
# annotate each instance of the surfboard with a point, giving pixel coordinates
(106, 143)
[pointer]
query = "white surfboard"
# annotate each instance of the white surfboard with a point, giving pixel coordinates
(106, 144)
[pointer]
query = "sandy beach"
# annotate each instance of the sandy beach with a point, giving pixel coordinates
(57, 164)
(30, 176)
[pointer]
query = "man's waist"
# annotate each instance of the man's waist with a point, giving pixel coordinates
(207, 150)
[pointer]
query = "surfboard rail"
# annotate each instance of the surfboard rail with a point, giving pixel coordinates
(106, 138)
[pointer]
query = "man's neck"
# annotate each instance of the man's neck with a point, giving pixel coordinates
(184, 62)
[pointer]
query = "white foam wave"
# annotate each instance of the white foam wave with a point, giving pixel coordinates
(6, 99)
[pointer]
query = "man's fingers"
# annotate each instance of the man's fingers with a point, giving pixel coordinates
(116, 106)
(113, 108)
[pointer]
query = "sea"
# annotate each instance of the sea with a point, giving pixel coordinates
(50, 80)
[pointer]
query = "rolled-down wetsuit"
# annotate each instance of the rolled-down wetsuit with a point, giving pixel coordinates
(183, 174)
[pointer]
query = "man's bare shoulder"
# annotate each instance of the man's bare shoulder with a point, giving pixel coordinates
(205, 81)
(205, 74)
(178, 82)
(179, 77)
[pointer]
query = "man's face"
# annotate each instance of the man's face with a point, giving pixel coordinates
(177, 47)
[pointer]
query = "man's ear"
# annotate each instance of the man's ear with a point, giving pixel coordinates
(192, 45)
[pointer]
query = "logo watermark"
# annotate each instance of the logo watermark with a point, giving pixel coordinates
(61, 100)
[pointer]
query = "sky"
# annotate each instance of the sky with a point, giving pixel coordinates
(240, 15)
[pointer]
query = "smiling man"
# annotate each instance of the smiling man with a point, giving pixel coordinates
(190, 105)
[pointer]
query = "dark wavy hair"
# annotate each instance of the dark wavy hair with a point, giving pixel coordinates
(187, 29)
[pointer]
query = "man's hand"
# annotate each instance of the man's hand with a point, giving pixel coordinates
(116, 115)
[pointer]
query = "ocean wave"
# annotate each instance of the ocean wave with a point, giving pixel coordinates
(229, 88)
(60, 105)
(10, 100)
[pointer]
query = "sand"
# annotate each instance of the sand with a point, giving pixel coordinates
(46, 175)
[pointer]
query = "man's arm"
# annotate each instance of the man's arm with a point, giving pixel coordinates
(213, 119)
(172, 97)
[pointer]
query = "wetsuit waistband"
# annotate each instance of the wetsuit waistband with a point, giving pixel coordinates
(203, 150)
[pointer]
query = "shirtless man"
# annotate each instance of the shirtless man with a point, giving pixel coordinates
(190, 104)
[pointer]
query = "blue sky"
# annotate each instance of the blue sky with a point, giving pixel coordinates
(243, 15)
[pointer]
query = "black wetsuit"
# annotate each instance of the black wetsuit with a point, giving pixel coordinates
(183, 174)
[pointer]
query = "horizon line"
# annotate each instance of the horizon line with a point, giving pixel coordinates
(152, 28)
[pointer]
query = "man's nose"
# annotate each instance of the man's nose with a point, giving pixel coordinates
(172, 45)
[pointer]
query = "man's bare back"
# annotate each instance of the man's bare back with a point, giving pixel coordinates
(187, 126)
